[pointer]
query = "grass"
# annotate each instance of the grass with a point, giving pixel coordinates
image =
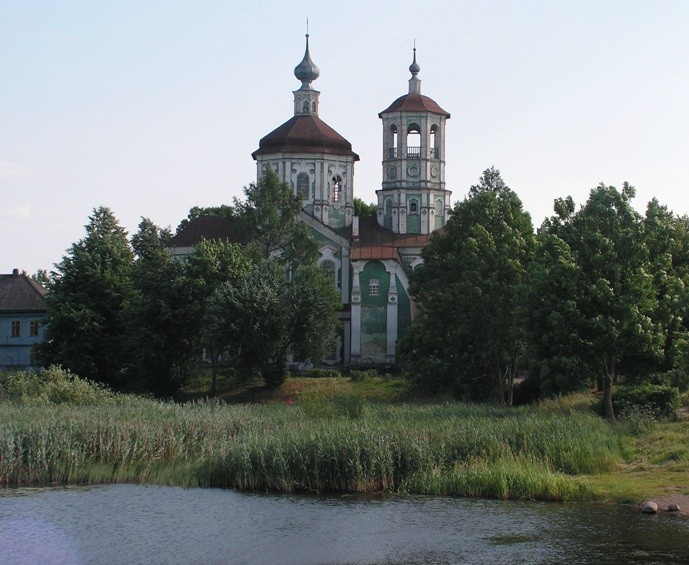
(340, 435)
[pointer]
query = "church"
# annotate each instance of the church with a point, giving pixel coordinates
(369, 258)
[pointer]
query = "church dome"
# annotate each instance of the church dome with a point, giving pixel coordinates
(414, 103)
(304, 134)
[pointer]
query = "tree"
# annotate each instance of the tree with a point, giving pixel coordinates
(364, 210)
(550, 308)
(270, 216)
(263, 317)
(468, 333)
(161, 337)
(86, 330)
(607, 239)
(209, 266)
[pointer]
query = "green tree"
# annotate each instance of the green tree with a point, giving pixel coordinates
(270, 214)
(263, 317)
(468, 333)
(550, 309)
(607, 239)
(211, 265)
(160, 319)
(86, 330)
(364, 210)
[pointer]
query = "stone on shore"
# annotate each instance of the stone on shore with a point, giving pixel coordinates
(649, 507)
(673, 507)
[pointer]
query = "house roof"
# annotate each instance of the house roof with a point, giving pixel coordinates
(305, 134)
(20, 293)
(376, 242)
(414, 102)
(213, 228)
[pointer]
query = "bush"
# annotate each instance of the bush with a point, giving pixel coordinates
(674, 377)
(660, 400)
(358, 376)
(321, 373)
(54, 385)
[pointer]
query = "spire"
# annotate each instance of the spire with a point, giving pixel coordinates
(306, 71)
(414, 81)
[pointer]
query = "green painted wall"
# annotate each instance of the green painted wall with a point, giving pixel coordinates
(374, 312)
(336, 218)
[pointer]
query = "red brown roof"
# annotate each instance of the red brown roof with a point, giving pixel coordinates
(20, 293)
(305, 134)
(213, 228)
(376, 242)
(414, 103)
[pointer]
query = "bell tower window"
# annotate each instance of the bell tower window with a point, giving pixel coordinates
(392, 142)
(303, 186)
(413, 141)
(337, 188)
(305, 106)
(433, 142)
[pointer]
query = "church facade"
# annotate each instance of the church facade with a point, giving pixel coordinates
(369, 258)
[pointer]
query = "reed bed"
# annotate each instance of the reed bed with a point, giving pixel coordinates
(450, 449)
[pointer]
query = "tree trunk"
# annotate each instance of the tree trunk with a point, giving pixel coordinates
(214, 375)
(510, 384)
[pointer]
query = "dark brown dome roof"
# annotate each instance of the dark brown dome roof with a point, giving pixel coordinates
(414, 103)
(305, 134)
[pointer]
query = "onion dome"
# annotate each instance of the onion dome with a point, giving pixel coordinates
(306, 71)
(414, 68)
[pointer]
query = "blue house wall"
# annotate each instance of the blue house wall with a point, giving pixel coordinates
(15, 351)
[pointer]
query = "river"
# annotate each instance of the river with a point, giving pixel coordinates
(130, 524)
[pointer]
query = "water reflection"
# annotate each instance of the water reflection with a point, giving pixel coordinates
(135, 524)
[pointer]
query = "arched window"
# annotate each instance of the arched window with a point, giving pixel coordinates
(303, 186)
(374, 287)
(313, 106)
(305, 106)
(414, 140)
(337, 188)
(434, 142)
(392, 149)
(413, 207)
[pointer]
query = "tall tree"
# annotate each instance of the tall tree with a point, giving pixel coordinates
(270, 214)
(161, 337)
(209, 266)
(468, 332)
(86, 330)
(263, 316)
(607, 239)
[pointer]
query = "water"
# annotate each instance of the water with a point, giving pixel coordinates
(125, 524)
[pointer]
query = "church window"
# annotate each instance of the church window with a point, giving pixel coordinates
(413, 207)
(413, 141)
(313, 106)
(392, 150)
(305, 106)
(435, 150)
(337, 188)
(374, 287)
(303, 186)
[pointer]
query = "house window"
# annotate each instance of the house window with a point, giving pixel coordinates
(303, 186)
(374, 287)
(34, 326)
(337, 188)
(16, 328)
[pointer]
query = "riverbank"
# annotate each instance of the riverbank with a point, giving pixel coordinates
(326, 435)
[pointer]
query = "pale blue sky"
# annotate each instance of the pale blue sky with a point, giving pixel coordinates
(152, 107)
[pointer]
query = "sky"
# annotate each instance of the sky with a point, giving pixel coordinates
(152, 107)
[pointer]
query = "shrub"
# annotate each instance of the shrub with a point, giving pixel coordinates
(661, 400)
(358, 376)
(54, 385)
(321, 373)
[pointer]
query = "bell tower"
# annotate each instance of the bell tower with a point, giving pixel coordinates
(413, 199)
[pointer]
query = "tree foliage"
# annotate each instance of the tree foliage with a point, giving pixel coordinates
(468, 334)
(86, 331)
(362, 209)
